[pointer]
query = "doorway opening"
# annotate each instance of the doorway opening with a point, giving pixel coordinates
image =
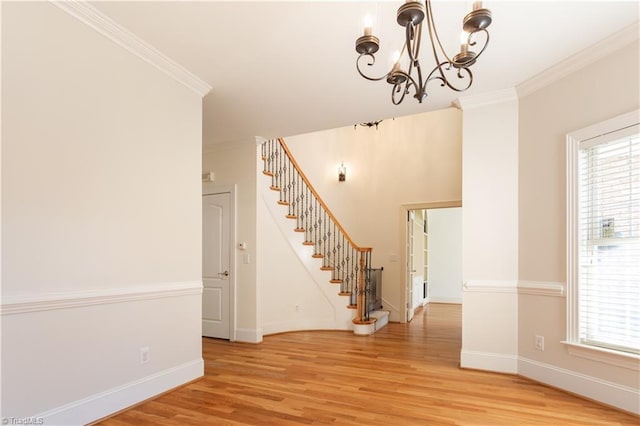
(433, 255)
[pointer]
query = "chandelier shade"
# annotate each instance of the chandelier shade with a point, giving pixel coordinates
(452, 72)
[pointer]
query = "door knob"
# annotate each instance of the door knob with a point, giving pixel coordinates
(224, 274)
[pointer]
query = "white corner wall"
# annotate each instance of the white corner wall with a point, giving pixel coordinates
(490, 232)
(445, 255)
(604, 89)
(101, 222)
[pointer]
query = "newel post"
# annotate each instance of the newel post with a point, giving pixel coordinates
(361, 288)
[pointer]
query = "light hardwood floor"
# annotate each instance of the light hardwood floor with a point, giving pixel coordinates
(406, 374)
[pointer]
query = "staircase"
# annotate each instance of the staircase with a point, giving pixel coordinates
(349, 264)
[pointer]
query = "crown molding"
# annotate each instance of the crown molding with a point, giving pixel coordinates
(95, 19)
(485, 99)
(581, 59)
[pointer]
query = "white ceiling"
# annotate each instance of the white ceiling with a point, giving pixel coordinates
(285, 68)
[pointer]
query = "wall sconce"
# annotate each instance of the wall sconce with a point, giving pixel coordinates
(342, 173)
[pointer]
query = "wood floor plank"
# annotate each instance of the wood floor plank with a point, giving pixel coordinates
(405, 374)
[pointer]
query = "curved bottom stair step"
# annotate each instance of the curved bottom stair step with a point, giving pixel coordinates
(382, 319)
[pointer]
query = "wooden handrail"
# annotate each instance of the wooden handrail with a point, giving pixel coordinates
(320, 200)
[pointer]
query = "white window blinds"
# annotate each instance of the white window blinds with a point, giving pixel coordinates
(609, 241)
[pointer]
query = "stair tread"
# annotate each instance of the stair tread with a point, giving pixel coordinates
(369, 321)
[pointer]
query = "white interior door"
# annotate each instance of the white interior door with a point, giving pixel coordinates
(410, 264)
(215, 265)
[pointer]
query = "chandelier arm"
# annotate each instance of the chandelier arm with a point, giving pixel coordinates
(414, 33)
(434, 31)
(421, 92)
(486, 42)
(413, 49)
(431, 26)
(398, 86)
(395, 89)
(408, 34)
(373, 61)
(445, 81)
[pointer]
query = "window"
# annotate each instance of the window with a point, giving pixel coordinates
(603, 186)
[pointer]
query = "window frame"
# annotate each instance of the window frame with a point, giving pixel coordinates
(572, 342)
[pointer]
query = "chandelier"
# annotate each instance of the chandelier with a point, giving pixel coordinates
(411, 15)
(369, 124)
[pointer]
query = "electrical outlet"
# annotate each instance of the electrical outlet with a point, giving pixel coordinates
(540, 343)
(144, 355)
(297, 308)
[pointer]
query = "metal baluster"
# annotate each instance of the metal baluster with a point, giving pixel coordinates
(309, 234)
(299, 203)
(323, 243)
(280, 169)
(316, 221)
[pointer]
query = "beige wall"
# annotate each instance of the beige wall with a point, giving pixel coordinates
(101, 222)
(413, 159)
(604, 89)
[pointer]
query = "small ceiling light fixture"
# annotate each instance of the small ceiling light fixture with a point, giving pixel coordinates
(411, 16)
(342, 173)
(369, 124)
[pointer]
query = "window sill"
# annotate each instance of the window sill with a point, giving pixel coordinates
(608, 356)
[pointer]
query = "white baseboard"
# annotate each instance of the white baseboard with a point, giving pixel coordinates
(301, 325)
(623, 397)
(113, 400)
(248, 335)
(501, 363)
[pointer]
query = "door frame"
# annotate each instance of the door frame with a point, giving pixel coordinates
(209, 188)
(404, 243)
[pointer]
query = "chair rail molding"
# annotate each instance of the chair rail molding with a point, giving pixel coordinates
(24, 303)
(490, 286)
(542, 288)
